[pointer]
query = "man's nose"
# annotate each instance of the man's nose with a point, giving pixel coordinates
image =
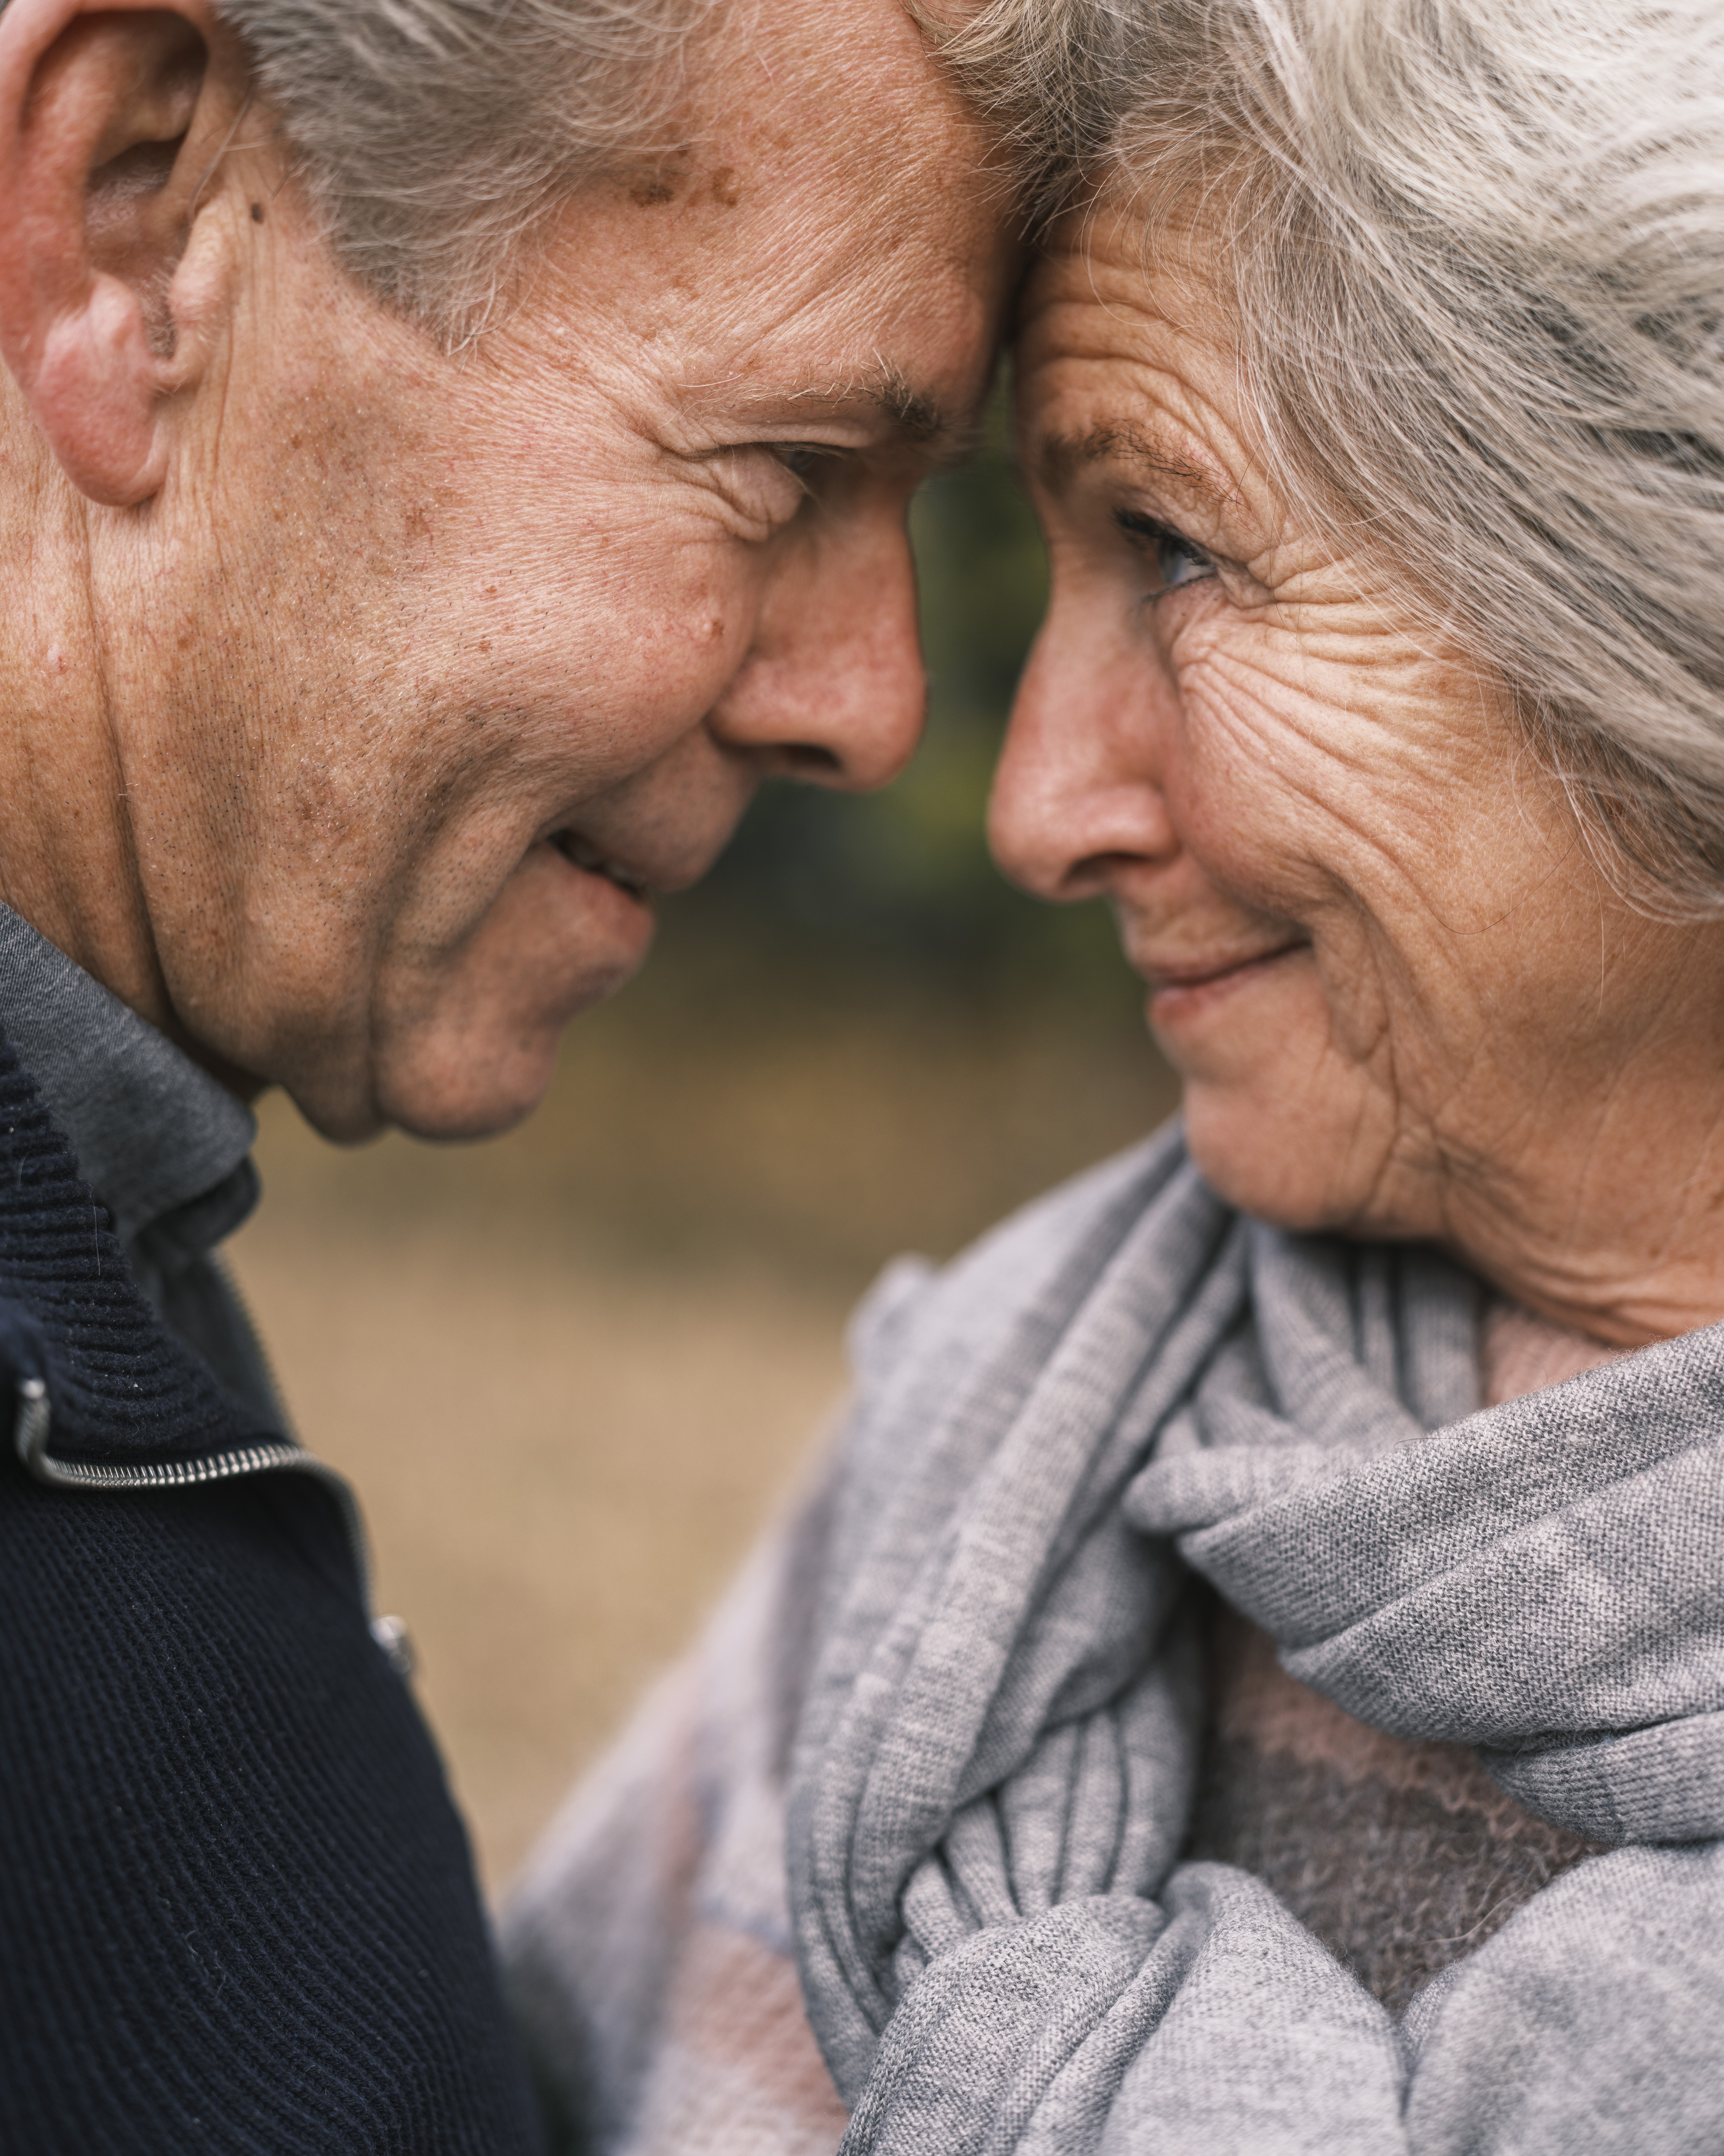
(1077, 797)
(832, 690)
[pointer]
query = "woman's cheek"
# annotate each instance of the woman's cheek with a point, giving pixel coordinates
(1244, 753)
(1347, 964)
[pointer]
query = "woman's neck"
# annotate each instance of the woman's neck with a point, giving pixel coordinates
(1620, 1239)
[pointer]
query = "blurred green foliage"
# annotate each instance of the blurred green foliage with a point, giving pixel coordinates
(903, 878)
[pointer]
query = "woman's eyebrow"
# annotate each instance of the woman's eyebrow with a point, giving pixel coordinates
(1059, 458)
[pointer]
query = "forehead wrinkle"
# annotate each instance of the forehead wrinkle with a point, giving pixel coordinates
(913, 416)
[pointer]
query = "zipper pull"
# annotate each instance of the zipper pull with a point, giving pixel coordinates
(392, 1636)
(31, 1424)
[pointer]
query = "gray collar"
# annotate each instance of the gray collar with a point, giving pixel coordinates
(163, 1145)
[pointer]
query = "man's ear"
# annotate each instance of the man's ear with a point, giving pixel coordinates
(111, 119)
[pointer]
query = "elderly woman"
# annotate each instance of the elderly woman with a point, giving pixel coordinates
(1252, 1678)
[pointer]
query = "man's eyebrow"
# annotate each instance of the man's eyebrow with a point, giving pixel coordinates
(914, 414)
(919, 420)
(1060, 457)
(913, 417)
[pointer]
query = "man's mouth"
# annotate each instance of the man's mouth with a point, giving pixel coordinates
(582, 854)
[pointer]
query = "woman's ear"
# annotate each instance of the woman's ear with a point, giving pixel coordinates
(111, 119)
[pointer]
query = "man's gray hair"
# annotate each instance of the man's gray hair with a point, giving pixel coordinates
(1477, 250)
(434, 135)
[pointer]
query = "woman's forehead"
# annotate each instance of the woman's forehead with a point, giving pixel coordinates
(1169, 268)
(1107, 293)
(1109, 377)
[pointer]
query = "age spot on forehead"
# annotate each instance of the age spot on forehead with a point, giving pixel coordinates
(657, 187)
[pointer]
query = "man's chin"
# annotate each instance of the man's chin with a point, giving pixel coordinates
(469, 1050)
(471, 1075)
(477, 1081)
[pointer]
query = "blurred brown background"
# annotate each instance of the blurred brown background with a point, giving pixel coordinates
(571, 1371)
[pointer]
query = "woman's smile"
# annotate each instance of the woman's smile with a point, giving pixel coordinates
(1191, 992)
(1182, 989)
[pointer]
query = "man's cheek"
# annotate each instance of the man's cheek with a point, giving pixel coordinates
(633, 653)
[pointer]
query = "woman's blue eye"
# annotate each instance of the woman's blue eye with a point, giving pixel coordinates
(1177, 560)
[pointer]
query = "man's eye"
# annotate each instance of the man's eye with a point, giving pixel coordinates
(1177, 560)
(801, 457)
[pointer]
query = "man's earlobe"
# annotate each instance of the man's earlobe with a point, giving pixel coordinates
(109, 125)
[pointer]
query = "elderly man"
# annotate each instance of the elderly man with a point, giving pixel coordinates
(453, 452)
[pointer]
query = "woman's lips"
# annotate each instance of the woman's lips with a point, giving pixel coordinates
(1177, 988)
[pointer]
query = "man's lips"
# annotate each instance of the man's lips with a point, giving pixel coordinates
(580, 853)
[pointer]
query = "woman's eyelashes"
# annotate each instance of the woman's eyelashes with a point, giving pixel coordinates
(1176, 560)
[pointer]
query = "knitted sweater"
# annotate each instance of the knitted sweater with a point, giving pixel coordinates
(648, 1940)
(238, 1912)
(1400, 1857)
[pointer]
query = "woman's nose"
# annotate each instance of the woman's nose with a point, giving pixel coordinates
(1077, 796)
(833, 689)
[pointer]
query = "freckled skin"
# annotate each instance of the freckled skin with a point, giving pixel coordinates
(393, 619)
(1405, 997)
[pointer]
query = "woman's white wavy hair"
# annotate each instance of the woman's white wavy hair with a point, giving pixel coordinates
(1476, 248)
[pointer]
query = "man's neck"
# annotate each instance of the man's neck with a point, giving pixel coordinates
(68, 864)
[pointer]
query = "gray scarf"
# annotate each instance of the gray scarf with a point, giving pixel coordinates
(1000, 1950)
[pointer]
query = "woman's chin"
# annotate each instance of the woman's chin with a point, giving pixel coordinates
(1280, 1147)
(1247, 1159)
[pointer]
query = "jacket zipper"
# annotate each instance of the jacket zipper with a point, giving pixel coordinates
(35, 1421)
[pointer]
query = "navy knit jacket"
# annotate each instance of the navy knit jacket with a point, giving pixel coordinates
(237, 1910)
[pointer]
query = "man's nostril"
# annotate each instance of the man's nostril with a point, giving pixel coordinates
(808, 760)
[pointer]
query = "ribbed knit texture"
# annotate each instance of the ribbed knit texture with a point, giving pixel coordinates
(1401, 1858)
(237, 1910)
